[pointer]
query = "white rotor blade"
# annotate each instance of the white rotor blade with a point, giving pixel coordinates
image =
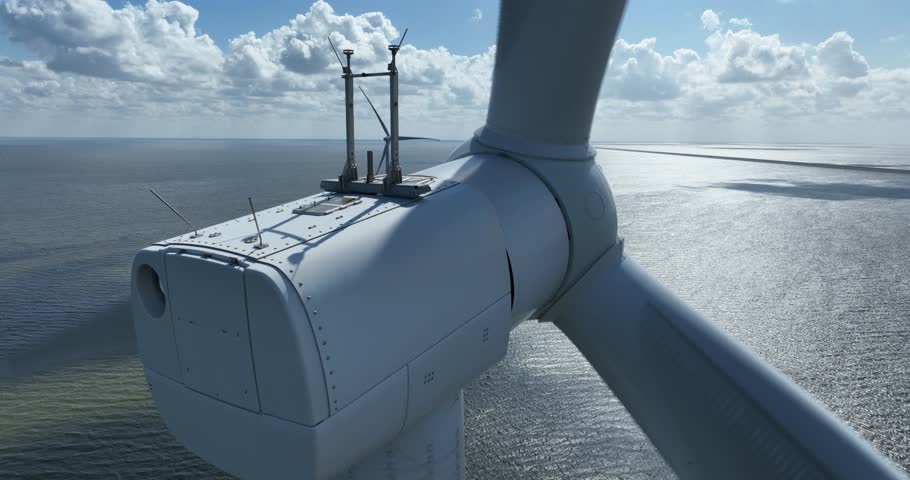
(418, 138)
(385, 150)
(550, 60)
(385, 155)
(712, 408)
(378, 117)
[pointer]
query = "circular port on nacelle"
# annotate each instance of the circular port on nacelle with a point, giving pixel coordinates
(150, 291)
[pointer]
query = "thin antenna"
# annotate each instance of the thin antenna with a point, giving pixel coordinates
(195, 232)
(336, 54)
(258, 231)
(402, 37)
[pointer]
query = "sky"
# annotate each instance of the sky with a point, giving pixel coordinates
(794, 71)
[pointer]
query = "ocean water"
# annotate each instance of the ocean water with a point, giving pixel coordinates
(807, 266)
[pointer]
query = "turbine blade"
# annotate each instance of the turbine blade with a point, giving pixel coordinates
(563, 103)
(712, 408)
(418, 138)
(384, 129)
(385, 155)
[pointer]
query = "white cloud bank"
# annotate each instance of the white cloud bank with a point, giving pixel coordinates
(147, 71)
(747, 86)
(710, 20)
(157, 43)
(149, 63)
(740, 22)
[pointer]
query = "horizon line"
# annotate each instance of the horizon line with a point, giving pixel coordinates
(614, 142)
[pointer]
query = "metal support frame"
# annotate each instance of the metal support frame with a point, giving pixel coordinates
(349, 173)
(370, 175)
(393, 167)
(393, 183)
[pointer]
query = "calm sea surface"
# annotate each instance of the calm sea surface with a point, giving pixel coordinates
(809, 267)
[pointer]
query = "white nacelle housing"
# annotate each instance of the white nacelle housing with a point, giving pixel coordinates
(302, 357)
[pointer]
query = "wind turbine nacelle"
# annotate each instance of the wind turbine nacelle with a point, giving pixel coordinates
(359, 315)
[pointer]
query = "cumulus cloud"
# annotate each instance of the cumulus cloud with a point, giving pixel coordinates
(283, 57)
(638, 72)
(154, 43)
(476, 15)
(887, 92)
(151, 62)
(740, 22)
(297, 57)
(837, 56)
(710, 20)
(745, 75)
(450, 78)
(746, 56)
(893, 38)
(27, 69)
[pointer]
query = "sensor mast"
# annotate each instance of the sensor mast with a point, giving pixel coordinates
(393, 183)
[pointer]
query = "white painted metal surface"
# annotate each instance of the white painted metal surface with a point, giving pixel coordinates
(254, 445)
(363, 325)
(550, 59)
(152, 313)
(281, 229)
(431, 449)
(349, 329)
(532, 224)
(382, 291)
(289, 374)
(581, 191)
(712, 408)
(210, 328)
